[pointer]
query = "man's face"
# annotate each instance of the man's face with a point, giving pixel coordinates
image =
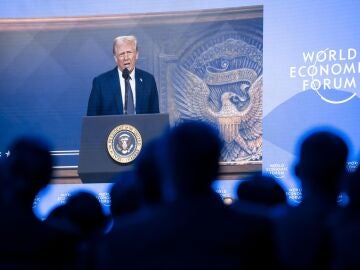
(126, 55)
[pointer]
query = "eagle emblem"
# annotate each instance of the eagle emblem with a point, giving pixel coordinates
(228, 96)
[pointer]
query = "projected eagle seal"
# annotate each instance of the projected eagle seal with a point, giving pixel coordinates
(221, 84)
(124, 143)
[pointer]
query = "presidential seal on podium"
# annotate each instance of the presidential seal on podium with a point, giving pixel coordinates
(124, 143)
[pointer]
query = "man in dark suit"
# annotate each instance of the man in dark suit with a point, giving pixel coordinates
(108, 95)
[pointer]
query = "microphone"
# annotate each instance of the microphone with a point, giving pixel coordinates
(125, 73)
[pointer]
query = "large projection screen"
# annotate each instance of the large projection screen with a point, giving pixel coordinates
(295, 64)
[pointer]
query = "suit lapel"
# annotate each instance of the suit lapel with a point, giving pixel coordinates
(139, 87)
(116, 91)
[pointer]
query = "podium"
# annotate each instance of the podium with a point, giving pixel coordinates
(97, 163)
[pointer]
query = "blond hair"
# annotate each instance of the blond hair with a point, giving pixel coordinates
(122, 39)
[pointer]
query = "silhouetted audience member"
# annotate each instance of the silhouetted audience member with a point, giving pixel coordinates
(148, 172)
(139, 187)
(58, 217)
(86, 212)
(82, 214)
(193, 228)
(303, 233)
(125, 195)
(30, 169)
(347, 227)
(139, 191)
(259, 194)
(26, 242)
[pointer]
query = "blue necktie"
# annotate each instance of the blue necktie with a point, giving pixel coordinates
(129, 99)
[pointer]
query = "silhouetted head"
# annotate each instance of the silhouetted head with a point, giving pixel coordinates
(322, 162)
(85, 211)
(29, 166)
(192, 156)
(58, 213)
(59, 218)
(125, 194)
(148, 172)
(261, 189)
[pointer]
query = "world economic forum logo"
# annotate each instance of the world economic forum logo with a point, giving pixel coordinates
(329, 71)
(124, 143)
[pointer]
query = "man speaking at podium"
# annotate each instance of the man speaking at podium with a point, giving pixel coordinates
(124, 89)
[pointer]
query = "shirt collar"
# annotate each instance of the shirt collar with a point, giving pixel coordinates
(132, 74)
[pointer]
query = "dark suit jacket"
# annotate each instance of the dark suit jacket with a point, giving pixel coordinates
(105, 97)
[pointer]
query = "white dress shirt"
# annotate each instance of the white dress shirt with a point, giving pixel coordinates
(132, 84)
